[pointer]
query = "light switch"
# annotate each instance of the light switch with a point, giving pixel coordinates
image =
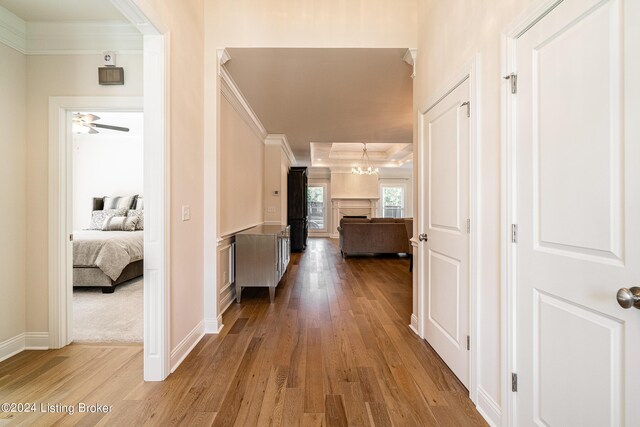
(186, 213)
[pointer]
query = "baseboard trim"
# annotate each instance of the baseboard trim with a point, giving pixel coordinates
(36, 341)
(11, 347)
(488, 408)
(183, 349)
(213, 326)
(414, 324)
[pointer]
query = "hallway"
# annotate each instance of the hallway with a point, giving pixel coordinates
(334, 349)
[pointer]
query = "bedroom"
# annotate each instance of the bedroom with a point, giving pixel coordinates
(108, 224)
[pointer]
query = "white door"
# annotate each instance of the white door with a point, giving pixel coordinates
(578, 213)
(445, 156)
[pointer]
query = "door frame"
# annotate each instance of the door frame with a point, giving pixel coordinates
(470, 71)
(156, 353)
(509, 214)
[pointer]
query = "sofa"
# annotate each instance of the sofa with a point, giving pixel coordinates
(375, 235)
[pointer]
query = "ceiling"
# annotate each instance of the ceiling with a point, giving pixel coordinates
(327, 95)
(63, 10)
(349, 154)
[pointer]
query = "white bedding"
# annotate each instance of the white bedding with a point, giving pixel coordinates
(110, 251)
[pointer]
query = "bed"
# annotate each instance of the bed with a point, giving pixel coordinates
(106, 259)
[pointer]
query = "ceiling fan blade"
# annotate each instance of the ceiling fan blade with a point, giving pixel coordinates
(118, 128)
(88, 118)
(92, 130)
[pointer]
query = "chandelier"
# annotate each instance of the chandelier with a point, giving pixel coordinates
(366, 168)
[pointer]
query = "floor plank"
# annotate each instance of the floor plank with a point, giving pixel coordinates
(333, 350)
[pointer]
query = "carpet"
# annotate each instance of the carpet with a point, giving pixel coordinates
(116, 317)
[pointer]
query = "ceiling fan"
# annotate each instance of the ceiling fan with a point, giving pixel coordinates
(85, 123)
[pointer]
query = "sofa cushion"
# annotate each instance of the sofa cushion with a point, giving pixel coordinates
(383, 220)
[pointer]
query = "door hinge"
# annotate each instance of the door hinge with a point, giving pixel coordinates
(468, 342)
(513, 78)
(468, 104)
(514, 233)
(468, 225)
(514, 382)
(71, 237)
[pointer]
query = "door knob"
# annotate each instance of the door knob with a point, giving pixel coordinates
(423, 237)
(628, 298)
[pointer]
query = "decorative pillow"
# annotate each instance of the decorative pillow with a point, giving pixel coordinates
(139, 204)
(98, 217)
(119, 202)
(120, 223)
(140, 215)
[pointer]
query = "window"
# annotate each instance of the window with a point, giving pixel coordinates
(392, 201)
(316, 201)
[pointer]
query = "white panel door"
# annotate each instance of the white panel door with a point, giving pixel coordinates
(578, 214)
(445, 138)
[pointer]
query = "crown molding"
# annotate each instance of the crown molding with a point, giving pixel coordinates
(281, 140)
(138, 18)
(54, 38)
(68, 38)
(232, 93)
(13, 31)
(410, 58)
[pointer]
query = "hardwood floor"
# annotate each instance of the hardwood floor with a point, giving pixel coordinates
(334, 349)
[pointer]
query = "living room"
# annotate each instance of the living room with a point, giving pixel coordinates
(343, 114)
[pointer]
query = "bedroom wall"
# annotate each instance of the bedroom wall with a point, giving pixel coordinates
(242, 160)
(441, 55)
(12, 192)
(183, 19)
(56, 75)
(109, 163)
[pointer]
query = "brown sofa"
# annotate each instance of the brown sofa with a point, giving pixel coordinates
(375, 235)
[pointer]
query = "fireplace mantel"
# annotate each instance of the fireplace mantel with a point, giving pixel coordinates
(351, 206)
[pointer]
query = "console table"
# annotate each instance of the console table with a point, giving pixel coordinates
(262, 257)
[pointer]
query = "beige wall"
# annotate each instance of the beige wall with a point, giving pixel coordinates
(311, 23)
(350, 186)
(12, 192)
(442, 52)
(183, 19)
(242, 160)
(56, 75)
(276, 170)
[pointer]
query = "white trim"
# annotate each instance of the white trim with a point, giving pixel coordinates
(410, 58)
(488, 408)
(232, 93)
(469, 71)
(13, 31)
(68, 38)
(213, 326)
(414, 324)
(12, 346)
(57, 38)
(185, 346)
(508, 213)
(60, 205)
(36, 341)
(281, 140)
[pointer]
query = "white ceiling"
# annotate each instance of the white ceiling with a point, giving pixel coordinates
(63, 10)
(327, 95)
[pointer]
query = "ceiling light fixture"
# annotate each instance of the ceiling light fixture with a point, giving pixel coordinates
(367, 169)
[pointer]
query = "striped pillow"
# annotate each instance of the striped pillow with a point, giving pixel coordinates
(98, 217)
(140, 215)
(120, 223)
(120, 202)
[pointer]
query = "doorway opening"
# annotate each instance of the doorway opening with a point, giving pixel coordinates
(107, 222)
